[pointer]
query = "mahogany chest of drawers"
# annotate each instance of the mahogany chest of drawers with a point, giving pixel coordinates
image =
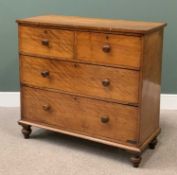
(96, 79)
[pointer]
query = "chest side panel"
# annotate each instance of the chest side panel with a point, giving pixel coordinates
(151, 81)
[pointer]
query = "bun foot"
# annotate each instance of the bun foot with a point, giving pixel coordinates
(26, 131)
(136, 160)
(153, 143)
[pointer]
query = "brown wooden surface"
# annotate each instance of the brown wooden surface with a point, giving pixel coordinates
(81, 78)
(124, 50)
(145, 144)
(82, 23)
(151, 78)
(60, 42)
(130, 148)
(81, 115)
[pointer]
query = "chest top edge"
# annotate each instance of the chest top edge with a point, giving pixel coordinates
(93, 24)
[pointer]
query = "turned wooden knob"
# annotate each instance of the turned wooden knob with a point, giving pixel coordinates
(45, 74)
(45, 42)
(104, 119)
(106, 82)
(106, 48)
(46, 107)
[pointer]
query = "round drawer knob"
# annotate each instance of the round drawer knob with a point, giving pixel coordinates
(45, 74)
(106, 48)
(106, 82)
(45, 42)
(46, 107)
(104, 119)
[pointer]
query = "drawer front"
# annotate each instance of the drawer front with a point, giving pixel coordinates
(82, 79)
(46, 42)
(109, 49)
(90, 117)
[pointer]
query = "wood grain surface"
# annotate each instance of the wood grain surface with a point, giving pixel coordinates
(124, 50)
(34, 40)
(81, 79)
(151, 80)
(104, 25)
(97, 79)
(80, 114)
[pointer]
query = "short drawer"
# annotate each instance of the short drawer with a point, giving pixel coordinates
(82, 79)
(110, 49)
(95, 118)
(46, 42)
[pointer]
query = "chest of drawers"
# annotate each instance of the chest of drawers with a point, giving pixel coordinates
(96, 79)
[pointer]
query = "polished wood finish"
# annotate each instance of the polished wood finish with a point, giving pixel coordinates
(94, 24)
(70, 133)
(26, 130)
(153, 143)
(96, 79)
(47, 42)
(91, 117)
(151, 80)
(83, 79)
(143, 146)
(109, 49)
(136, 160)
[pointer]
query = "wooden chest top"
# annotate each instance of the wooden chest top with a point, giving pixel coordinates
(107, 25)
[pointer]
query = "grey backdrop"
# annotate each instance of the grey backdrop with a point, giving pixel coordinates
(148, 10)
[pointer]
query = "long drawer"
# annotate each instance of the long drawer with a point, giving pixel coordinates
(83, 79)
(96, 118)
